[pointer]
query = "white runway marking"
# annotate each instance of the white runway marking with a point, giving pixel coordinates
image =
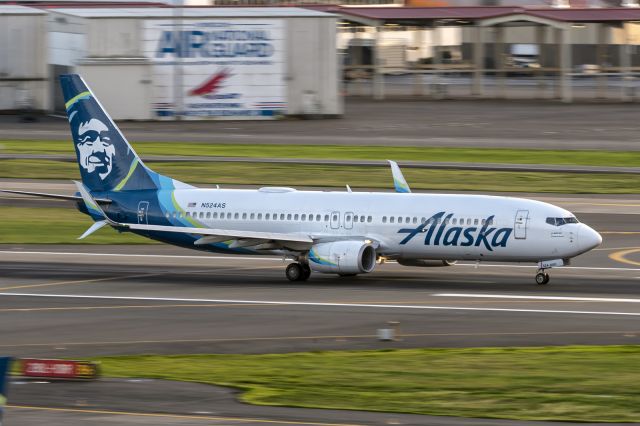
(323, 304)
(279, 259)
(559, 298)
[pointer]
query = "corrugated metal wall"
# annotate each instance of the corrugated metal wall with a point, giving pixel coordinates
(23, 61)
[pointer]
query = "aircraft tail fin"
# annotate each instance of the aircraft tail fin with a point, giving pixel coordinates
(106, 159)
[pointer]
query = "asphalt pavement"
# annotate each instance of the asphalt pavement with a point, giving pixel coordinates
(449, 123)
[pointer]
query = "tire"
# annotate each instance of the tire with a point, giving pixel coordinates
(306, 273)
(294, 272)
(542, 278)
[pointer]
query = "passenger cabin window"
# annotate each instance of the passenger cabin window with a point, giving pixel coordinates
(384, 219)
(326, 218)
(318, 217)
(295, 216)
(399, 219)
(289, 216)
(208, 215)
(392, 219)
(369, 219)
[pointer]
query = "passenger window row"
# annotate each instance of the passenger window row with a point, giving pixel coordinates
(266, 216)
(452, 221)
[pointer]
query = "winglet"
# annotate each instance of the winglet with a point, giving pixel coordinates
(399, 181)
(94, 209)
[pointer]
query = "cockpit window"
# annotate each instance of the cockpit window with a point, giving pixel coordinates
(559, 221)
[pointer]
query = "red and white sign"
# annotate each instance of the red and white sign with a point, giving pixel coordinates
(58, 369)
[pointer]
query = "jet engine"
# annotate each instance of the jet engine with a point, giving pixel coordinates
(342, 257)
(426, 263)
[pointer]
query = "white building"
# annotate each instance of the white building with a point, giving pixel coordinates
(222, 62)
(23, 58)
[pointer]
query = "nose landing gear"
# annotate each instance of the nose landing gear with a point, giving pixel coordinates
(542, 277)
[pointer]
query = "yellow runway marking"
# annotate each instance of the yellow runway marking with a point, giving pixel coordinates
(92, 280)
(285, 338)
(577, 203)
(620, 256)
(619, 232)
(176, 416)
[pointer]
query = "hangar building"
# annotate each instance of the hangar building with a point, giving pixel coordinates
(146, 63)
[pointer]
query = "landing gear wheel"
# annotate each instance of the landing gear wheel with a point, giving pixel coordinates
(294, 272)
(542, 278)
(306, 272)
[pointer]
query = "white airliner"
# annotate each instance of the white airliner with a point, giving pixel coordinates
(344, 233)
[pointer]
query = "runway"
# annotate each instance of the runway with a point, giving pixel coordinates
(124, 300)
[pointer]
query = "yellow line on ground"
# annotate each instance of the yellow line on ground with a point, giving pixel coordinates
(620, 232)
(175, 416)
(88, 308)
(577, 203)
(92, 280)
(614, 248)
(620, 256)
(284, 338)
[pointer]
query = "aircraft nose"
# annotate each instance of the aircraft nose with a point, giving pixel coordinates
(588, 238)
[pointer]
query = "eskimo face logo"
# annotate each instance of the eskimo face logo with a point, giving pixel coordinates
(95, 150)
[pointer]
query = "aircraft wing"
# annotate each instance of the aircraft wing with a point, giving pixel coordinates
(56, 196)
(224, 233)
(209, 235)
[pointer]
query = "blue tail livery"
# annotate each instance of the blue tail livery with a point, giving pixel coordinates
(5, 365)
(107, 161)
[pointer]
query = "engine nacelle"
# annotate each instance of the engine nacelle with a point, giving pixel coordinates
(426, 263)
(343, 257)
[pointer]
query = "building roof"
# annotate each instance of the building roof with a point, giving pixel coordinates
(11, 9)
(409, 15)
(194, 12)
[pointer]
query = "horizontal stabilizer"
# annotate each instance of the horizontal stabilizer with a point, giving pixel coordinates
(92, 206)
(93, 228)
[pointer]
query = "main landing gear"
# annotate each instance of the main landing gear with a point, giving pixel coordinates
(542, 277)
(298, 272)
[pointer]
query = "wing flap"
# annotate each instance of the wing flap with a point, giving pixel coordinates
(229, 233)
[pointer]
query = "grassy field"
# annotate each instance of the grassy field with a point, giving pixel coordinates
(56, 226)
(594, 384)
(357, 177)
(479, 155)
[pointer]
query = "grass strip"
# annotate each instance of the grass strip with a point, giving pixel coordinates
(341, 152)
(357, 177)
(585, 384)
(56, 225)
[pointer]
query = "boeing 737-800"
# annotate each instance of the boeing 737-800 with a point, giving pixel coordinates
(343, 233)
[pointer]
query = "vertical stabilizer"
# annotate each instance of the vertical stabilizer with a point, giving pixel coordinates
(107, 161)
